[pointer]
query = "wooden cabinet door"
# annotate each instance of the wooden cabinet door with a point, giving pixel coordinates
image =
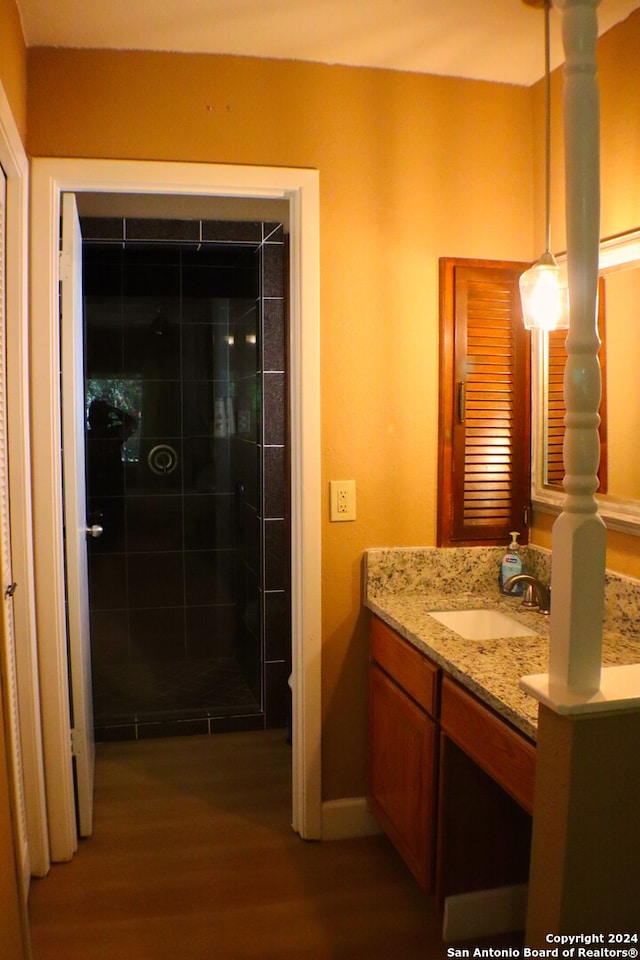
(402, 770)
(484, 446)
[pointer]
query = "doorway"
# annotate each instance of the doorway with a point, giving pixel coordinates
(50, 178)
(187, 474)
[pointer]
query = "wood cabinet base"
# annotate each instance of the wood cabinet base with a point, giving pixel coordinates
(402, 774)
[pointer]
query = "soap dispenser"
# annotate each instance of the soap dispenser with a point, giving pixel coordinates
(512, 564)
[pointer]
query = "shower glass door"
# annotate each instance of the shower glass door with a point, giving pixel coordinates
(174, 381)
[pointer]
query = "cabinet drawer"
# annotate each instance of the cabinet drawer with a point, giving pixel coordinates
(506, 756)
(408, 667)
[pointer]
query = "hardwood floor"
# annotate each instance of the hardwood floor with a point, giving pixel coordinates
(193, 858)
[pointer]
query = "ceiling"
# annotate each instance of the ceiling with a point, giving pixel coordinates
(497, 40)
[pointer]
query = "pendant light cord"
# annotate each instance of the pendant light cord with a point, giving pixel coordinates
(547, 111)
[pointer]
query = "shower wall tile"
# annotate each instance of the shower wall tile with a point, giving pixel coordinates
(245, 465)
(104, 467)
(223, 230)
(154, 523)
(210, 521)
(157, 634)
(102, 293)
(109, 636)
(154, 271)
(274, 335)
(249, 657)
(211, 632)
(273, 270)
(275, 555)
(108, 581)
(273, 232)
(103, 317)
(207, 311)
(275, 490)
(277, 626)
(252, 618)
(209, 577)
(198, 351)
(162, 230)
(155, 579)
(274, 472)
(102, 228)
(249, 540)
(151, 340)
(246, 333)
(276, 705)
(199, 397)
(216, 274)
(247, 405)
(206, 466)
(161, 412)
(275, 408)
(105, 356)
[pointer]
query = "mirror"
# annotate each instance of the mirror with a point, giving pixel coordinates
(619, 322)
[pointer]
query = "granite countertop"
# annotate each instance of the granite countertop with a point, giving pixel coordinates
(491, 669)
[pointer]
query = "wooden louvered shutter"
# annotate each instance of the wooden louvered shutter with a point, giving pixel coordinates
(554, 405)
(485, 404)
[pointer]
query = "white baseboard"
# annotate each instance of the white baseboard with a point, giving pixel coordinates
(347, 818)
(485, 913)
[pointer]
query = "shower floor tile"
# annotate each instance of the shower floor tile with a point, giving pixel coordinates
(125, 693)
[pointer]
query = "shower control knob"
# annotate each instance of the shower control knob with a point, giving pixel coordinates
(95, 530)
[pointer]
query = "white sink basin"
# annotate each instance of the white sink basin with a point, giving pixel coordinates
(481, 624)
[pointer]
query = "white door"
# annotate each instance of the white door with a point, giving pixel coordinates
(73, 444)
(7, 650)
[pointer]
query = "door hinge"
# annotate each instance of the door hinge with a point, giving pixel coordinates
(64, 263)
(10, 590)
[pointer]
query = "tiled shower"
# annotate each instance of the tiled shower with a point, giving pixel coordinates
(187, 474)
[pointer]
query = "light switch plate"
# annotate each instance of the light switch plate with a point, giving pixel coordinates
(342, 497)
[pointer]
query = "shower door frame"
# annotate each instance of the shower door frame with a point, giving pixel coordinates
(300, 187)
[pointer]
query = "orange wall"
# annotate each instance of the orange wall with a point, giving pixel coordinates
(619, 83)
(13, 63)
(411, 168)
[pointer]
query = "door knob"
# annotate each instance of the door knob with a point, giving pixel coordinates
(95, 530)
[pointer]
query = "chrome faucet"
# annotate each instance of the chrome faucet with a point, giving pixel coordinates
(535, 594)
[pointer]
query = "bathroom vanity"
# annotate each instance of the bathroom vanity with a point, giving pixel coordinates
(452, 736)
(448, 776)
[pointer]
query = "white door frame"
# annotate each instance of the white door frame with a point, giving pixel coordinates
(49, 178)
(14, 161)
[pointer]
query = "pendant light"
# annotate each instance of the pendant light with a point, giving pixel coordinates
(543, 288)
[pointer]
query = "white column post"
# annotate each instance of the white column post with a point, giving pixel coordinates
(579, 535)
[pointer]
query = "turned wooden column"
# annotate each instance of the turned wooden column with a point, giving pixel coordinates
(579, 535)
(586, 827)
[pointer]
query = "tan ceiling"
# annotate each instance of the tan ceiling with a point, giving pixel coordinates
(499, 40)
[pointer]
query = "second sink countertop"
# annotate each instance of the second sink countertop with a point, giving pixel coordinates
(491, 669)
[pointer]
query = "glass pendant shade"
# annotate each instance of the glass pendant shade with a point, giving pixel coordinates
(544, 294)
(544, 288)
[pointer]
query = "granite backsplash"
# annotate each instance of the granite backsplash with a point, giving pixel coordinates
(462, 570)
